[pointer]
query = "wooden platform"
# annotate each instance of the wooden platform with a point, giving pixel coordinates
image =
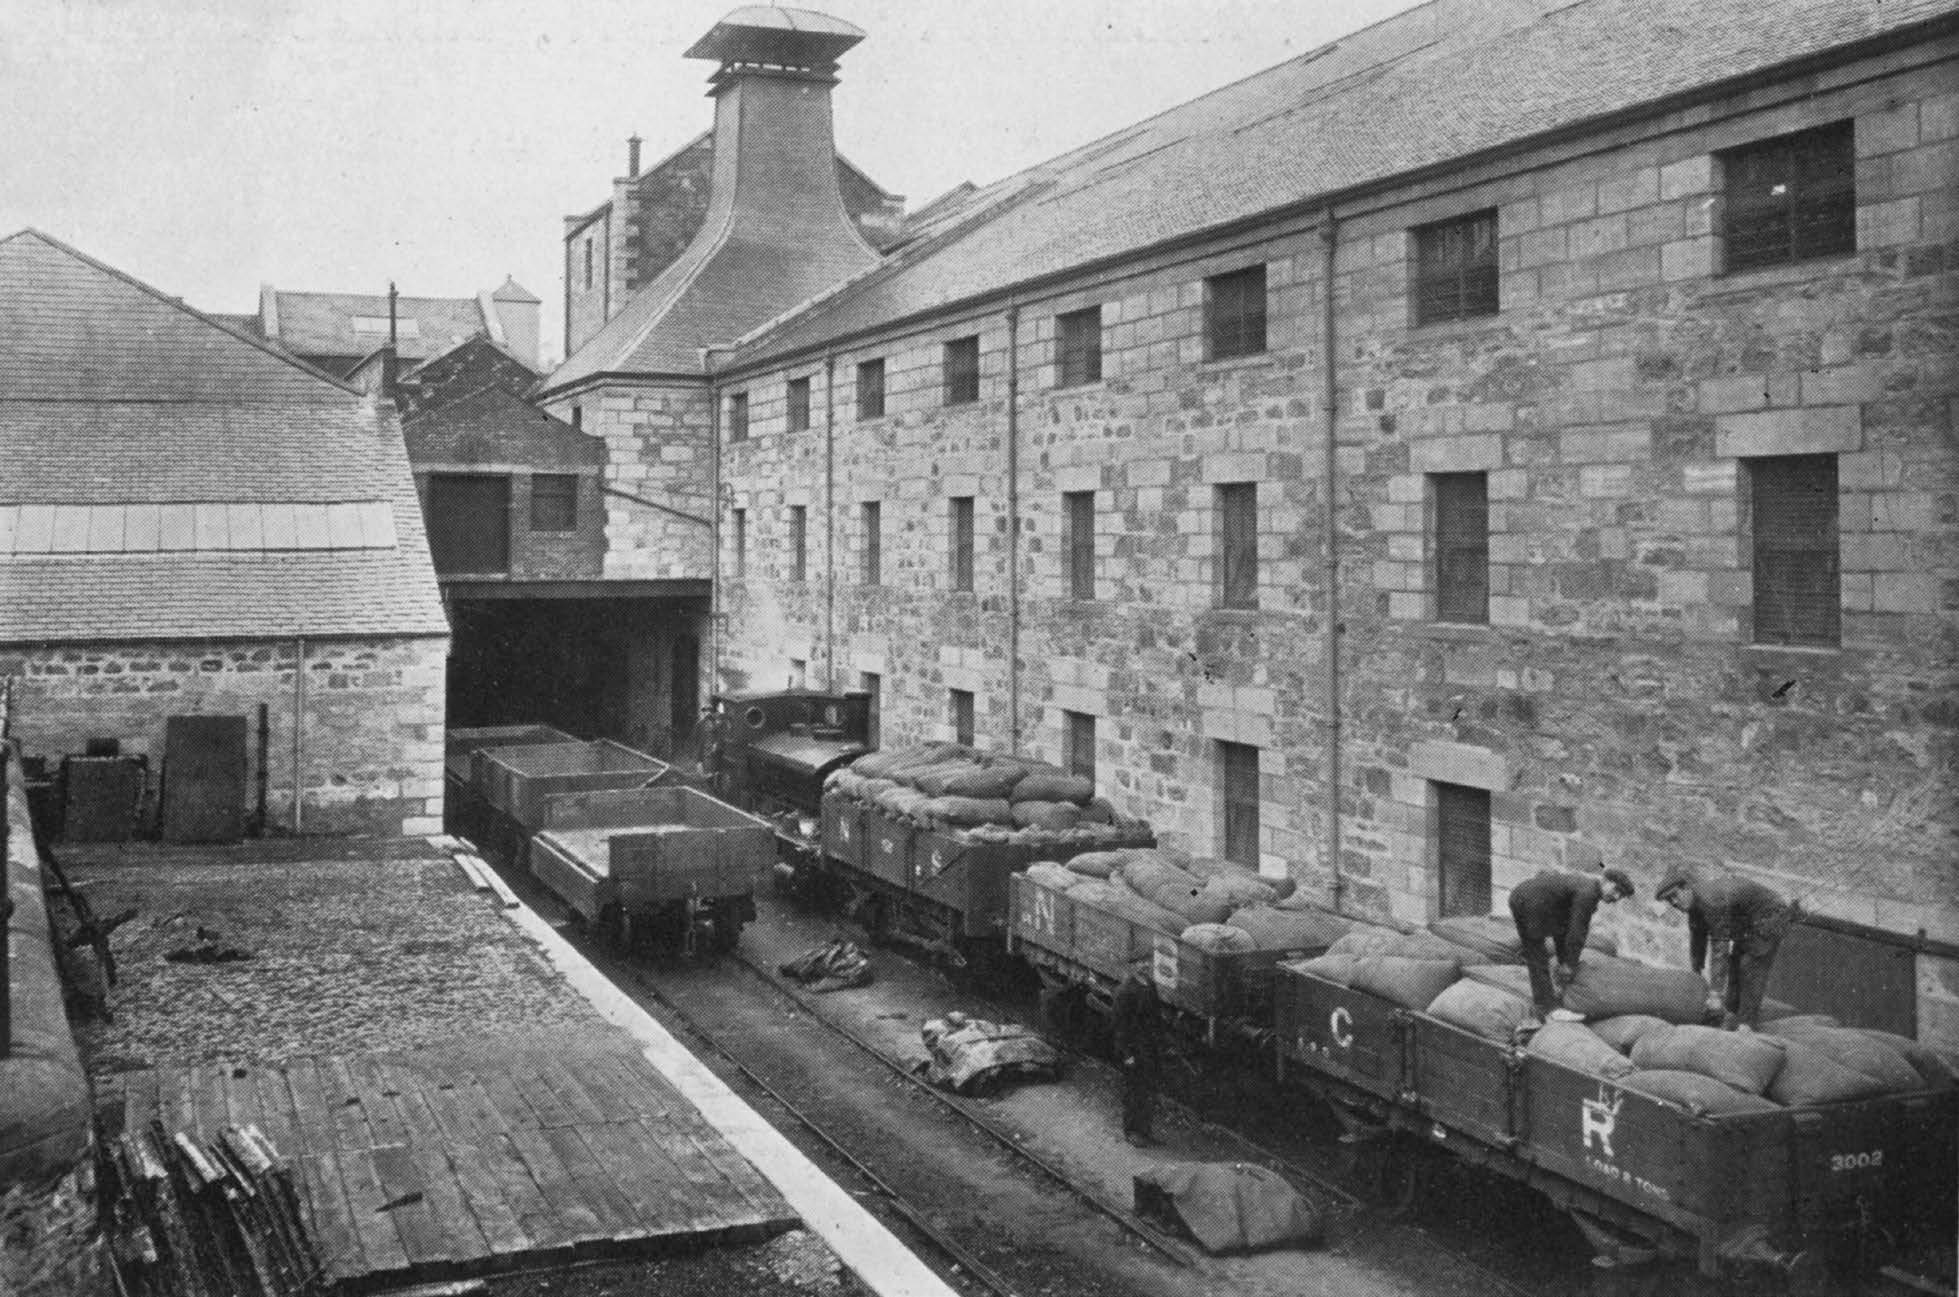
(445, 1163)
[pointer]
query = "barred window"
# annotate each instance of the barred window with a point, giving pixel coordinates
(554, 502)
(960, 542)
(1234, 314)
(1238, 545)
(870, 389)
(1238, 782)
(1078, 744)
(1462, 546)
(873, 542)
(1078, 542)
(1793, 515)
(962, 371)
(738, 416)
(1789, 199)
(962, 716)
(1462, 817)
(798, 542)
(799, 405)
(1078, 347)
(1455, 269)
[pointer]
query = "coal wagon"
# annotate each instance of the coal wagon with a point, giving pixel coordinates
(515, 782)
(463, 807)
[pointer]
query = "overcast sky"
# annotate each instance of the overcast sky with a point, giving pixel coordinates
(207, 146)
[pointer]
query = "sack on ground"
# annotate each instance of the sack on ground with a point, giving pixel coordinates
(1272, 928)
(1411, 983)
(1701, 1095)
(1054, 816)
(1854, 1050)
(1513, 978)
(1623, 1031)
(1746, 1061)
(1058, 877)
(1481, 1008)
(1219, 938)
(1606, 987)
(1810, 1076)
(1054, 786)
(1333, 968)
(1578, 1047)
(961, 811)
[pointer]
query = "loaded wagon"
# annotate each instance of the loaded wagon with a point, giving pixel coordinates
(1640, 1176)
(673, 863)
(516, 782)
(463, 807)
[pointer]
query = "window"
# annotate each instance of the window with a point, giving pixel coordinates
(1238, 545)
(376, 326)
(1462, 546)
(1078, 744)
(1078, 542)
(1234, 314)
(588, 261)
(798, 673)
(799, 405)
(873, 684)
(1789, 199)
(1793, 515)
(738, 417)
(870, 389)
(1455, 269)
(1462, 820)
(873, 542)
(1078, 347)
(798, 550)
(469, 523)
(962, 716)
(578, 418)
(960, 543)
(962, 371)
(741, 542)
(554, 502)
(1238, 785)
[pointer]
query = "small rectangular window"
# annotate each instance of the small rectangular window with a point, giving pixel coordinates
(1078, 347)
(1462, 547)
(962, 716)
(1078, 744)
(798, 673)
(873, 684)
(588, 261)
(740, 542)
(1238, 545)
(1234, 314)
(1462, 817)
(554, 502)
(1078, 542)
(798, 542)
(960, 542)
(799, 405)
(1793, 517)
(738, 416)
(1455, 268)
(870, 389)
(578, 418)
(962, 372)
(873, 542)
(1789, 199)
(1239, 797)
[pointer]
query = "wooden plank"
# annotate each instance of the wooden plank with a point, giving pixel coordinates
(662, 1200)
(341, 1106)
(564, 1086)
(312, 1118)
(551, 1112)
(379, 1104)
(594, 1184)
(573, 1219)
(140, 1099)
(429, 1145)
(485, 1144)
(382, 1244)
(639, 1085)
(596, 1076)
(400, 1178)
(330, 1217)
(482, 1188)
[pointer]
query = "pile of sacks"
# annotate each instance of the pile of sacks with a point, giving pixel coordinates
(1212, 904)
(1644, 1026)
(989, 795)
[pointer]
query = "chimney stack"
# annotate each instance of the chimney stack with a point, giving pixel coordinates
(632, 157)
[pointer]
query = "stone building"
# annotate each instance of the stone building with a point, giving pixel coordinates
(1528, 431)
(337, 331)
(193, 522)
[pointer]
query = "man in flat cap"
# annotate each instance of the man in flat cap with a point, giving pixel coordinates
(1743, 913)
(1556, 906)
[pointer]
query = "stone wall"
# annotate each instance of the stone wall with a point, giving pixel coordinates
(1615, 695)
(370, 750)
(658, 474)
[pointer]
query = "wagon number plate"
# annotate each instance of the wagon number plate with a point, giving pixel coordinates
(1857, 1161)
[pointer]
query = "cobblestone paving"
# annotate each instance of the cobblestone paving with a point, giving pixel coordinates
(353, 947)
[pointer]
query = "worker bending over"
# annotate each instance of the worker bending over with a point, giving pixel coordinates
(1741, 912)
(1557, 907)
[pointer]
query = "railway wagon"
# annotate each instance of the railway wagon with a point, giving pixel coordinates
(463, 807)
(515, 782)
(672, 863)
(1641, 1177)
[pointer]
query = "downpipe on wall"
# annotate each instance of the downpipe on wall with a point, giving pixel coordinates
(1330, 540)
(1013, 527)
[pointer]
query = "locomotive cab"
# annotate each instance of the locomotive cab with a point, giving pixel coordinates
(776, 749)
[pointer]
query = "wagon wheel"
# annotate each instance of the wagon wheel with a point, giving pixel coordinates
(1062, 1010)
(1389, 1171)
(616, 929)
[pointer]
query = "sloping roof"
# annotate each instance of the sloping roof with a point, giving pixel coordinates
(322, 324)
(494, 423)
(1441, 82)
(168, 478)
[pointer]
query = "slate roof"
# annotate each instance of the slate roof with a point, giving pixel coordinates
(322, 324)
(494, 424)
(1438, 83)
(121, 408)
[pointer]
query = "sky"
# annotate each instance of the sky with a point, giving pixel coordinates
(209, 146)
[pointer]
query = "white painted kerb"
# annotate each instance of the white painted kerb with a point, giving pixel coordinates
(884, 1265)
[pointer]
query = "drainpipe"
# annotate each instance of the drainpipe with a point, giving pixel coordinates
(1013, 528)
(298, 732)
(830, 523)
(1330, 558)
(714, 531)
